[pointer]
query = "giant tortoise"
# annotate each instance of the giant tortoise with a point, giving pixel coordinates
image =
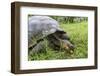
(45, 27)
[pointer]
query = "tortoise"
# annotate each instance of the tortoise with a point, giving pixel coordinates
(45, 27)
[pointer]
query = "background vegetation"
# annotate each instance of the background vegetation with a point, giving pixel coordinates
(77, 29)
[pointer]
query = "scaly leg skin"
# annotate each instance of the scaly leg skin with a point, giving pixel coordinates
(38, 48)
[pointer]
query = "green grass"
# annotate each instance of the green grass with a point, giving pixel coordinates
(78, 33)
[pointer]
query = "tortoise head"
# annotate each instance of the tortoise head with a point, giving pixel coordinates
(67, 45)
(63, 40)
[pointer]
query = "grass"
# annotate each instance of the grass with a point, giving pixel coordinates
(78, 33)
